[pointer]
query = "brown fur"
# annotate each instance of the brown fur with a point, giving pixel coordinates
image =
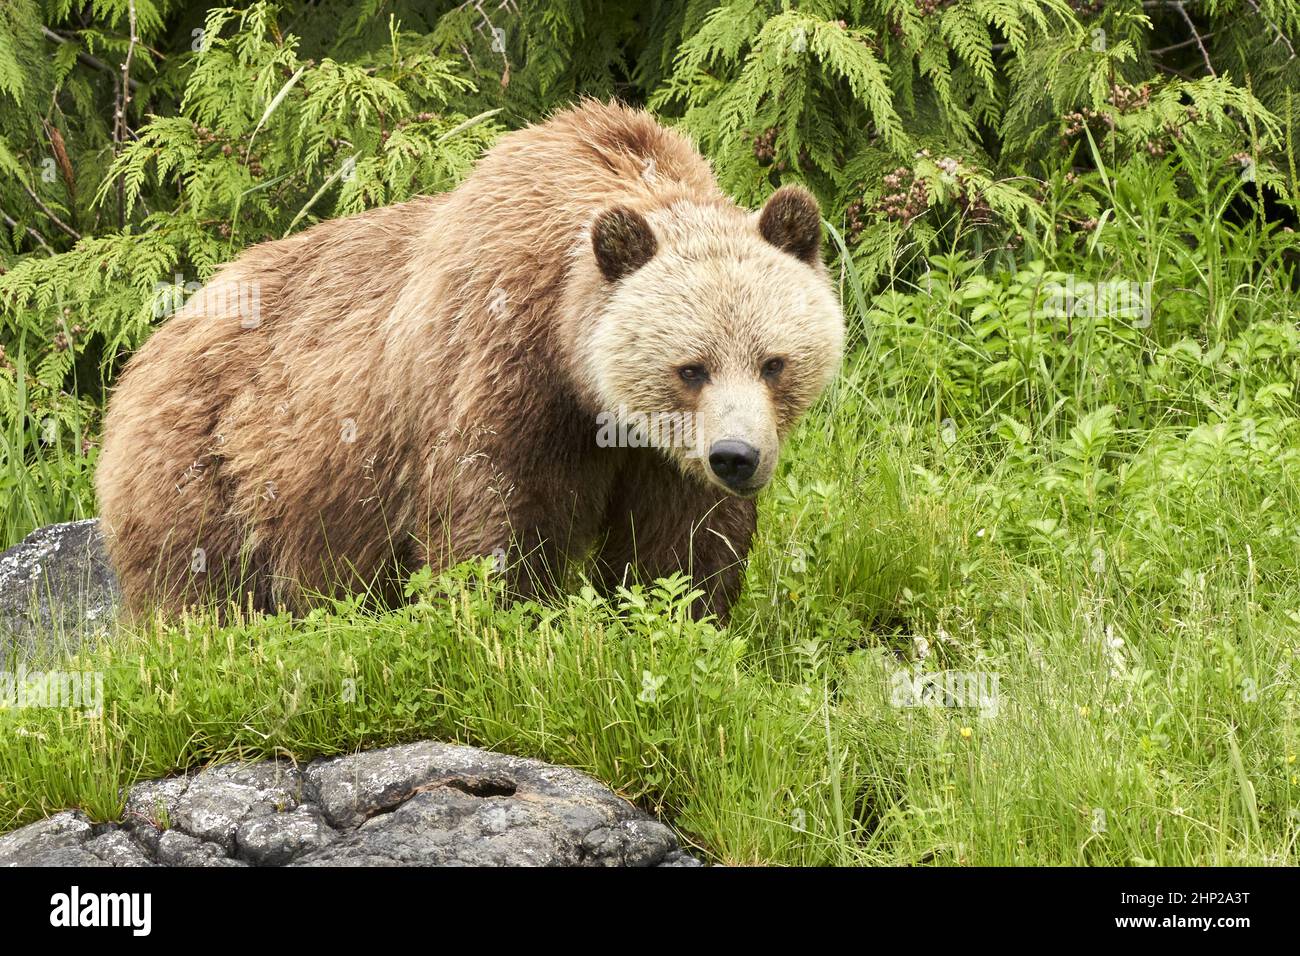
(444, 337)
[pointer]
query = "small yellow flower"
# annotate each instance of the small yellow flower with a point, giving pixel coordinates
(1085, 710)
(1290, 758)
(966, 733)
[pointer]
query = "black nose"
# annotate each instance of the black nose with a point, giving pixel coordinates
(733, 461)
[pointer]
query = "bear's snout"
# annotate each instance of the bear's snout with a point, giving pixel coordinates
(734, 462)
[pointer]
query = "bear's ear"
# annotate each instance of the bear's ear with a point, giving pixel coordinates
(623, 242)
(792, 221)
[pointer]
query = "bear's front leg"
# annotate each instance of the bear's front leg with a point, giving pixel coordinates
(661, 522)
(529, 509)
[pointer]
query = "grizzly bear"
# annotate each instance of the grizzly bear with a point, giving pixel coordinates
(479, 373)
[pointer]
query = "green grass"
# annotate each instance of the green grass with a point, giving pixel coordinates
(776, 741)
(1104, 516)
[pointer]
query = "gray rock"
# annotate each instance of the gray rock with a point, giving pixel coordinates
(180, 849)
(275, 839)
(66, 856)
(434, 803)
(152, 805)
(422, 804)
(218, 800)
(68, 829)
(680, 858)
(57, 592)
(115, 848)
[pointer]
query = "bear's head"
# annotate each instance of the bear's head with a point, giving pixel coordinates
(715, 330)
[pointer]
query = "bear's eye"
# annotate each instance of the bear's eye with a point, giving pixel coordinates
(773, 367)
(693, 374)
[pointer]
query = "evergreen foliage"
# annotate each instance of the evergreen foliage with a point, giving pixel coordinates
(145, 142)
